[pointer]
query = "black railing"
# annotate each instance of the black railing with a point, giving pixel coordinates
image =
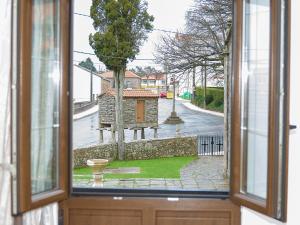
(210, 145)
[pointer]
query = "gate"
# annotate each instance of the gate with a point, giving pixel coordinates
(210, 145)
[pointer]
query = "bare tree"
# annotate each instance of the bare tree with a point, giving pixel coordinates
(202, 42)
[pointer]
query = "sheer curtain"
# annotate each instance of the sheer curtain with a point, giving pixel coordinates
(45, 90)
(5, 112)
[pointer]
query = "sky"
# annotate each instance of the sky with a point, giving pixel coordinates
(168, 14)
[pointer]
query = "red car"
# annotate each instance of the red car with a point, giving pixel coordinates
(163, 94)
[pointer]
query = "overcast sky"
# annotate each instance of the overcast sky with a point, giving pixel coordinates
(169, 15)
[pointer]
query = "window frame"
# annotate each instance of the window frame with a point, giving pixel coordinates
(24, 199)
(268, 207)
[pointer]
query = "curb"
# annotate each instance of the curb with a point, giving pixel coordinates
(86, 113)
(196, 108)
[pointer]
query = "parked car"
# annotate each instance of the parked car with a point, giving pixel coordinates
(163, 94)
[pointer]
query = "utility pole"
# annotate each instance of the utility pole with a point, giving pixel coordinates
(91, 84)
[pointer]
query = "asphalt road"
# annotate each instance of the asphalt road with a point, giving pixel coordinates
(85, 131)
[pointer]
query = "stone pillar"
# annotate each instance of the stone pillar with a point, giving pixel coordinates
(101, 135)
(113, 134)
(143, 133)
(135, 134)
(155, 132)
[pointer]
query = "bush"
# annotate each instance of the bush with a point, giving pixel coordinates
(209, 99)
(219, 102)
(214, 98)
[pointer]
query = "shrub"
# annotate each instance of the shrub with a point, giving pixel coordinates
(219, 102)
(214, 98)
(209, 99)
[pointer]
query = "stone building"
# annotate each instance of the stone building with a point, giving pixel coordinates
(131, 80)
(140, 111)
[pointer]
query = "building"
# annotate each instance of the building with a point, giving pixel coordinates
(86, 89)
(140, 109)
(131, 80)
(87, 86)
(155, 82)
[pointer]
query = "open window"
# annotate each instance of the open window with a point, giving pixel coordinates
(260, 113)
(260, 122)
(41, 104)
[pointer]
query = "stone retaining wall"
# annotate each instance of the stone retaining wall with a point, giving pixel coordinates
(141, 149)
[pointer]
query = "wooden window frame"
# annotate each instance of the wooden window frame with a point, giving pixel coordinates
(268, 207)
(25, 201)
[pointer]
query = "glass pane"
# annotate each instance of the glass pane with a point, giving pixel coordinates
(45, 92)
(255, 96)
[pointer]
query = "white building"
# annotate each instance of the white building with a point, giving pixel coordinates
(82, 85)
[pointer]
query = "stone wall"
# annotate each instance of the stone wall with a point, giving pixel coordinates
(106, 109)
(141, 149)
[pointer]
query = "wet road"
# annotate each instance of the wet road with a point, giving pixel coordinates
(85, 131)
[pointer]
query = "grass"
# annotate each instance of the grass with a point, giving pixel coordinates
(152, 168)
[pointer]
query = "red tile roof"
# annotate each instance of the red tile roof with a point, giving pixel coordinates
(128, 74)
(134, 93)
(159, 76)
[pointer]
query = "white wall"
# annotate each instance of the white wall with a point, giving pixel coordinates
(81, 84)
(250, 217)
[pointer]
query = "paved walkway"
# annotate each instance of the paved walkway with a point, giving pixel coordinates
(205, 173)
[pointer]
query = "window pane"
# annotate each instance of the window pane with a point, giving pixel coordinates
(255, 96)
(45, 92)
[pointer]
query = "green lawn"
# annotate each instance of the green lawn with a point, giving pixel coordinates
(153, 168)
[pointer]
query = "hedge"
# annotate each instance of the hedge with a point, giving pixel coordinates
(214, 98)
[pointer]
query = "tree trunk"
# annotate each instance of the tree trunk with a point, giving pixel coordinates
(194, 84)
(119, 80)
(205, 84)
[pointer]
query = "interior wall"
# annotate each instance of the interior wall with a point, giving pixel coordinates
(250, 217)
(47, 215)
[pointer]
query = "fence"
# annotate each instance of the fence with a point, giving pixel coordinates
(210, 145)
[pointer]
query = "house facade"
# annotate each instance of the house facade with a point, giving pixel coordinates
(131, 80)
(155, 82)
(87, 86)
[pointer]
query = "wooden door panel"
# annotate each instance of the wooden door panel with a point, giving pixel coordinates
(146, 211)
(140, 111)
(193, 218)
(107, 217)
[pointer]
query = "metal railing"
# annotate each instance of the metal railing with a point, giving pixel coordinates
(210, 145)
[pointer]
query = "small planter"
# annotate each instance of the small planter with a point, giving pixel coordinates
(97, 166)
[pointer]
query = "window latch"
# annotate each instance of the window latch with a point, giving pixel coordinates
(293, 127)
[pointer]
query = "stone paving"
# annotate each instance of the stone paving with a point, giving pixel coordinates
(205, 173)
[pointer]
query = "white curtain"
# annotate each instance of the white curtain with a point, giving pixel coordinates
(45, 95)
(47, 215)
(5, 53)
